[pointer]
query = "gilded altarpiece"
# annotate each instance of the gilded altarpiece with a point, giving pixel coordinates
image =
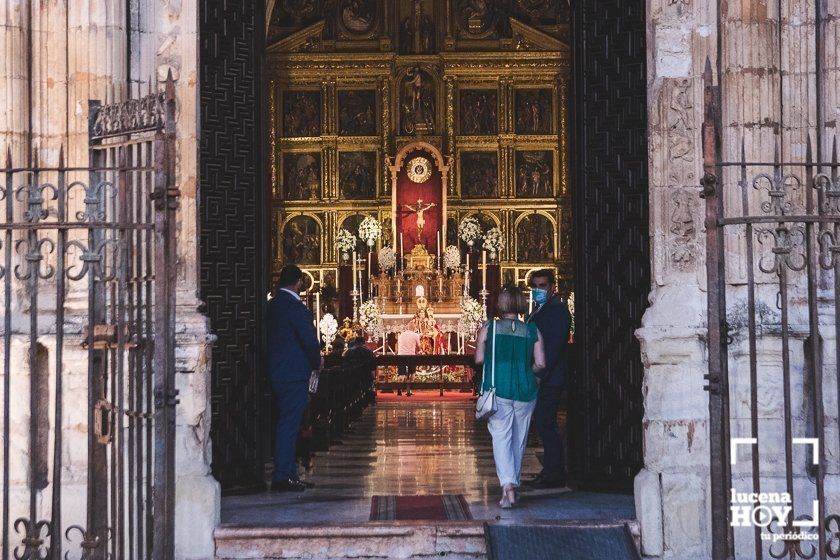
(353, 83)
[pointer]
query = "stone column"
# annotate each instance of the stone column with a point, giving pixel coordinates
(671, 490)
(14, 76)
(174, 34)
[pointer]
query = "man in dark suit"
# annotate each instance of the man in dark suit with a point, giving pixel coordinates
(293, 354)
(552, 317)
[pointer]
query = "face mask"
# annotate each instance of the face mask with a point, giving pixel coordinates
(539, 296)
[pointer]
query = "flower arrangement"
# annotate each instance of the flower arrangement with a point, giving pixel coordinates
(469, 230)
(494, 242)
(387, 258)
(370, 316)
(345, 242)
(451, 257)
(328, 327)
(472, 314)
(370, 230)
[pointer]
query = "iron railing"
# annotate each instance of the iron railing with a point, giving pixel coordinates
(773, 271)
(88, 276)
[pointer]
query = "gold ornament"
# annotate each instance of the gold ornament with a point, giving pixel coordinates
(419, 170)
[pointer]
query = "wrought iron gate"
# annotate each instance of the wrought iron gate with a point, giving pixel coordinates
(88, 276)
(773, 270)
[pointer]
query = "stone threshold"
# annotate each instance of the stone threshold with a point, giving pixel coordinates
(455, 540)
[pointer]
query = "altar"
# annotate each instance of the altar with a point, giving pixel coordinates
(416, 282)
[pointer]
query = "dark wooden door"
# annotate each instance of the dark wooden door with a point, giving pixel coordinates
(232, 254)
(611, 238)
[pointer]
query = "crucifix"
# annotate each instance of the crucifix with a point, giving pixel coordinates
(419, 209)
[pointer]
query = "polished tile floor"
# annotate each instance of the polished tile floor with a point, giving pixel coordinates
(409, 448)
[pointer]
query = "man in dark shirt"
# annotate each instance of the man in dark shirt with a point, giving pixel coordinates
(361, 355)
(552, 317)
(293, 354)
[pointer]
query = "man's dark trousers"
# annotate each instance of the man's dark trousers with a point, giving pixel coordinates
(545, 421)
(291, 403)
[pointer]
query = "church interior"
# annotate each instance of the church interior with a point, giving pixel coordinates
(418, 161)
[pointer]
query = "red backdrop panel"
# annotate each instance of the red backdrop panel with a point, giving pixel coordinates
(408, 192)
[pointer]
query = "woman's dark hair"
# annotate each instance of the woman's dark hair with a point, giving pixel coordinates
(289, 276)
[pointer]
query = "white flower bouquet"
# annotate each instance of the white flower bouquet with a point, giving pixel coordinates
(345, 242)
(494, 242)
(472, 314)
(387, 258)
(451, 257)
(370, 316)
(469, 230)
(370, 230)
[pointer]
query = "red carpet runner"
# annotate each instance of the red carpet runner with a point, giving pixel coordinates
(448, 507)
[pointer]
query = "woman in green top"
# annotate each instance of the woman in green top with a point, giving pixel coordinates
(511, 351)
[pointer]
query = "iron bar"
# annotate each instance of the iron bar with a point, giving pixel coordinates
(756, 473)
(58, 445)
(716, 317)
(7, 351)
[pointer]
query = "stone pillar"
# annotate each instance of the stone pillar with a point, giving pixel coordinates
(671, 490)
(14, 75)
(174, 35)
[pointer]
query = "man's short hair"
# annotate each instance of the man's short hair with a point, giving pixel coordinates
(543, 273)
(289, 275)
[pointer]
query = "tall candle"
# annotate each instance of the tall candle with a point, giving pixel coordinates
(484, 270)
(355, 287)
(317, 309)
(402, 253)
(438, 250)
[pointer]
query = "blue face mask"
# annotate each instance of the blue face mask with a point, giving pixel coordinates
(539, 296)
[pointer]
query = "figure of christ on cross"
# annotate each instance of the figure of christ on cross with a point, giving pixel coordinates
(421, 221)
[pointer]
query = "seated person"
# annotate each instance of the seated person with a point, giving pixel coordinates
(364, 356)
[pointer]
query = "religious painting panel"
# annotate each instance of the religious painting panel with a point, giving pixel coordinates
(357, 17)
(478, 112)
(479, 174)
(302, 176)
(357, 175)
(534, 113)
(417, 27)
(451, 231)
(534, 176)
(535, 239)
(417, 102)
(351, 223)
(296, 14)
(479, 19)
(301, 113)
(301, 241)
(357, 112)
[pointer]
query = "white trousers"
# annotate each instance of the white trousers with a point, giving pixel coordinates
(509, 428)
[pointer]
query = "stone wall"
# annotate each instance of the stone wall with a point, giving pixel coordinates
(672, 492)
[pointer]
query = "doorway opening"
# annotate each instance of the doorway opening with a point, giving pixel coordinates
(529, 119)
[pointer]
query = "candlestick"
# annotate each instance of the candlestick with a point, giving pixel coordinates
(484, 270)
(355, 287)
(402, 253)
(438, 249)
(370, 284)
(317, 310)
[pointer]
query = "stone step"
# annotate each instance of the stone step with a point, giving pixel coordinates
(454, 540)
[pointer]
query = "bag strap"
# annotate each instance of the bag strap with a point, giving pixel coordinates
(493, 358)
